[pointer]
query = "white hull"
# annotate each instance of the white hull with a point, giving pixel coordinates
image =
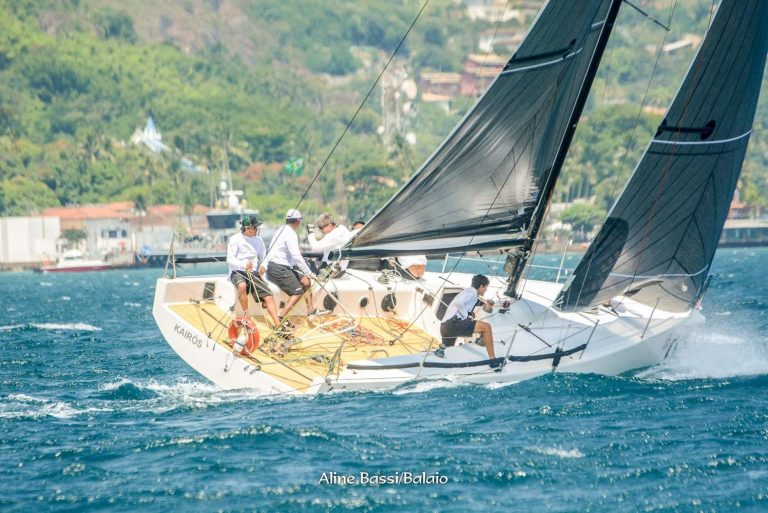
(533, 338)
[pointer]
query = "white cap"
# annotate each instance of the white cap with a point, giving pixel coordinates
(292, 215)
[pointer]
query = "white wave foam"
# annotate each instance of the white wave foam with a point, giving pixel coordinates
(46, 284)
(420, 387)
(560, 453)
(500, 384)
(75, 326)
(181, 394)
(115, 384)
(714, 355)
(66, 298)
(11, 327)
(27, 406)
(134, 305)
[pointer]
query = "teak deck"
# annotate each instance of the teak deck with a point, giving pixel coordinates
(323, 344)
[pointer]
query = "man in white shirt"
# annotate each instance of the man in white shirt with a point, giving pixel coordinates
(334, 236)
(286, 267)
(458, 320)
(245, 258)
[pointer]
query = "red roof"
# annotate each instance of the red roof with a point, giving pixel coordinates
(116, 210)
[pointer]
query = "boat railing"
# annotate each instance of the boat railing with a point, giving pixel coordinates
(495, 266)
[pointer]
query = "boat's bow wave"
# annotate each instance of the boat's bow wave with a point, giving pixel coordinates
(712, 353)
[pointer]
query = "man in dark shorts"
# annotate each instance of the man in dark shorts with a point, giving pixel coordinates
(287, 268)
(245, 256)
(458, 320)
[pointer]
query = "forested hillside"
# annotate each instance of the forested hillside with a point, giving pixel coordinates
(258, 82)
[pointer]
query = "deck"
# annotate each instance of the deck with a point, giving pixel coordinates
(322, 345)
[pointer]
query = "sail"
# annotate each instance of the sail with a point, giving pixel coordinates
(659, 239)
(481, 186)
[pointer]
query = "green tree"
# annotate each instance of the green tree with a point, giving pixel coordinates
(582, 217)
(74, 236)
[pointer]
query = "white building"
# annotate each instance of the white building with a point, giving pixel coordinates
(28, 240)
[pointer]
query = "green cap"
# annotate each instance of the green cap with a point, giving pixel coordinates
(250, 220)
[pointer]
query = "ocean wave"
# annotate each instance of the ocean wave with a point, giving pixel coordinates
(560, 453)
(251, 432)
(124, 390)
(74, 326)
(712, 355)
(419, 387)
(11, 327)
(501, 384)
(18, 406)
(153, 396)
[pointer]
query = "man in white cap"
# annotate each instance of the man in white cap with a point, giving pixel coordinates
(287, 268)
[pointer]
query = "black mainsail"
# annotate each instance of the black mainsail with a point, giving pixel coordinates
(481, 187)
(659, 239)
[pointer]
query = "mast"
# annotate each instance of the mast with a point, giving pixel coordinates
(521, 254)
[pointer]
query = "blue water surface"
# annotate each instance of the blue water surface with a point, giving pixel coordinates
(97, 413)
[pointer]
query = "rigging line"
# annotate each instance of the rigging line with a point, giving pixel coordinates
(631, 137)
(698, 69)
(485, 59)
(354, 116)
(651, 18)
(607, 68)
(458, 261)
(362, 103)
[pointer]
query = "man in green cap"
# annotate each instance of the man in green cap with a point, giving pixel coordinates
(245, 255)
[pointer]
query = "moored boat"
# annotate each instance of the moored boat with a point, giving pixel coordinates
(72, 261)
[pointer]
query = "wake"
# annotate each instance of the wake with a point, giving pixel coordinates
(713, 352)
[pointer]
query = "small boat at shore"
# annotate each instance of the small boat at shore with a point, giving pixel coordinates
(73, 261)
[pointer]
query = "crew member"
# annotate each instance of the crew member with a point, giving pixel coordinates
(328, 236)
(459, 321)
(287, 268)
(245, 257)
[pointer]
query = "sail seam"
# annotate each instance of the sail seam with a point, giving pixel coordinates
(650, 276)
(698, 143)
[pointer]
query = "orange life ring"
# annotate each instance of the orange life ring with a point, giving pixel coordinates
(252, 334)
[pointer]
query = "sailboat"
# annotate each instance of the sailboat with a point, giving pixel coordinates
(487, 187)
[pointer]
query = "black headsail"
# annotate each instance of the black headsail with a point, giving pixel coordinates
(659, 239)
(481, 187)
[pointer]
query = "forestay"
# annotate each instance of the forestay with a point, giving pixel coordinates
(481, 186)
(659, 239)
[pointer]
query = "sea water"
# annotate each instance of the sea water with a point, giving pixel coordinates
(97, 413)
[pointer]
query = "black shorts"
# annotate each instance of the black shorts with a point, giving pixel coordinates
(285, 278)
(456, 327)
(254, 284)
